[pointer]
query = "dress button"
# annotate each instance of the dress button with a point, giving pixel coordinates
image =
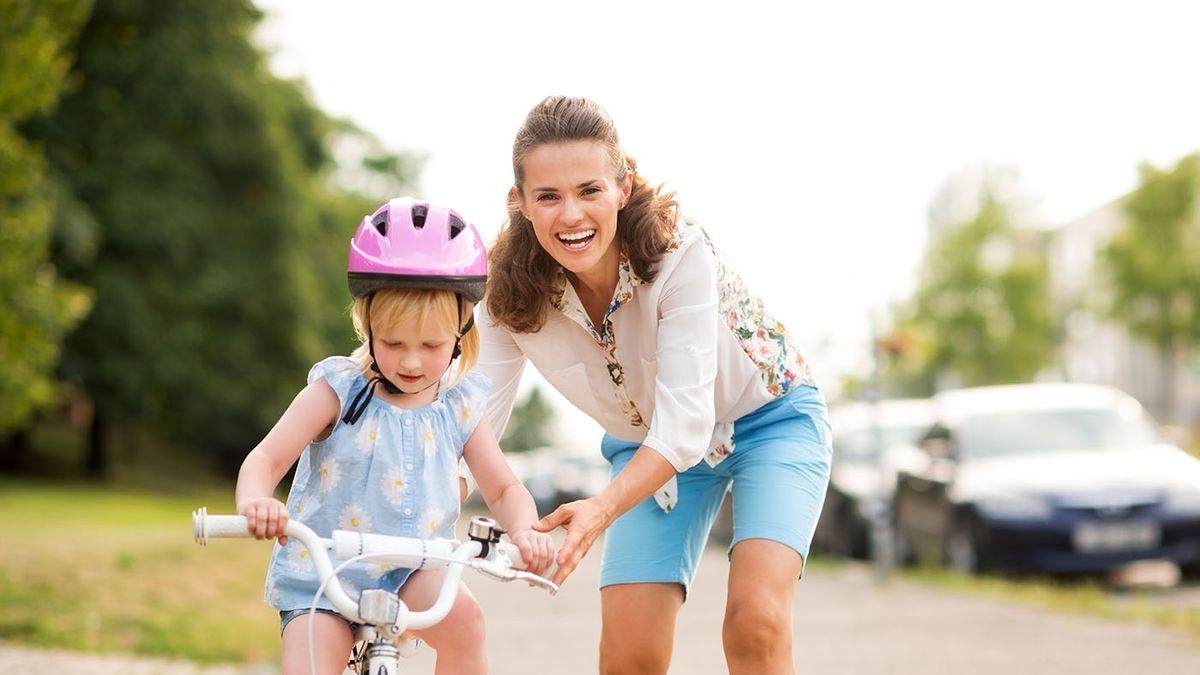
(408, 512)
(407, 422)
(408, 466)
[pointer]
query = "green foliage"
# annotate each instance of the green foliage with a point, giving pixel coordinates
(980, 314)
(36, 307)
(1154, 260)
(219, 228)
(529, 427)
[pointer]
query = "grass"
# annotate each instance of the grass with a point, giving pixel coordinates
(98, 569)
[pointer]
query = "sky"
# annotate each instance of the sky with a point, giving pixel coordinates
(807, 138)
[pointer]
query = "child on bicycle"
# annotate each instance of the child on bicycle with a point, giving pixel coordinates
(379, 435)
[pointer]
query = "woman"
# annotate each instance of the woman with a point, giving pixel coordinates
(626, 309)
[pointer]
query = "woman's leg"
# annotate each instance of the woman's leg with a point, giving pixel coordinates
(780, 469)
(459, 639)
(650, 557)
(757, 632)
(332, 637)
(638, 627)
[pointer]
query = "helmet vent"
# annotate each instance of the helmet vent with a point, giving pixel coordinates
(419, 212)
(380, 222)
(456, 225)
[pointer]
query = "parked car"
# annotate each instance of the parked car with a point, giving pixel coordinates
(1059, 478)
(863, 472)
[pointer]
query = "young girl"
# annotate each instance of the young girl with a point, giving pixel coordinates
(379, 436)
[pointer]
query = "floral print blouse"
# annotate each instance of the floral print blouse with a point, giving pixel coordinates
(673, 363)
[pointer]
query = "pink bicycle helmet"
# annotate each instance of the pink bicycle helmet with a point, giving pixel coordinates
(411, 243)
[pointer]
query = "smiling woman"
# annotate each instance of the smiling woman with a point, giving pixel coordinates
(626, 308)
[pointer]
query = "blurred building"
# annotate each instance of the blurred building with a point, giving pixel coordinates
(1095, 348)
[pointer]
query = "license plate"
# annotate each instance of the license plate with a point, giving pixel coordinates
(1095, 537)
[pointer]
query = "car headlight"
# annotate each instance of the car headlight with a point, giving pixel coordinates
(1183, 501)
(1013, 505)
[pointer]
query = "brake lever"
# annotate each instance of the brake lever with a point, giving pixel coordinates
(506, 574)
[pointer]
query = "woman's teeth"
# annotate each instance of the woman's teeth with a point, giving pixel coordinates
(576, 240)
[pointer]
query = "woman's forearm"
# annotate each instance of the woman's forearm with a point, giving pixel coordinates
(645, 473)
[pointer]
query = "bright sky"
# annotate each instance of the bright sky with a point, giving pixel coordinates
(808, 138)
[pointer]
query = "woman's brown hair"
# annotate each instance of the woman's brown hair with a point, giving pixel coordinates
(521, 273)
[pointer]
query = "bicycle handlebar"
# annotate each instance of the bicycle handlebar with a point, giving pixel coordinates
(498, 562)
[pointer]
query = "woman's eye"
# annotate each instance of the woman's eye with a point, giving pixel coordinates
(544, 197)
(590, 190)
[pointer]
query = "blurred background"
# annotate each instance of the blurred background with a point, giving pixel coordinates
(932, 196)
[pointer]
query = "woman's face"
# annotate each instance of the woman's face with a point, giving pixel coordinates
(572, 197)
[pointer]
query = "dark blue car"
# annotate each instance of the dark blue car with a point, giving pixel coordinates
(1046, 477)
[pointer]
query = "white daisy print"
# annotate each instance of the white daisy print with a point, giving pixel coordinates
(300, 557)
(330, 473)
(302, 504)
(376, 570)
(428, 441)
(367, 435)
(430, 523)
(354, 517)
(394, 485)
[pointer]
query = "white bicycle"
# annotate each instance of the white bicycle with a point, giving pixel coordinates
(382, 616)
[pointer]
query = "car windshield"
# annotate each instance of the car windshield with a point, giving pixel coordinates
(1065, 430)
(865, 445)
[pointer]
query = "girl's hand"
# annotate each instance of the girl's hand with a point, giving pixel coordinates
(537, 549)
(583, 520)
(266, 518)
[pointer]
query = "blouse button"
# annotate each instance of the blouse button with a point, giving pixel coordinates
(407, 422)
(408, 466)
(408, 512)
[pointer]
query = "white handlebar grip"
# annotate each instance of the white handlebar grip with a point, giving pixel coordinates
(205, 526)
(513, 554)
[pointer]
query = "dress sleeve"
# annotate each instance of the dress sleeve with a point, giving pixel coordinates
(342, 374)
(684, 410)
(502, 361)
(467, 403)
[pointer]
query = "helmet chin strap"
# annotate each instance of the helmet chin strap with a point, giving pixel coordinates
(361, 400)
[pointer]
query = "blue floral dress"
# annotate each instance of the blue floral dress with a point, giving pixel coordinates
(393, 472)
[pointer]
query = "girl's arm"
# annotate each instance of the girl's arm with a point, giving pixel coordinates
(311, 416)
(506, 497)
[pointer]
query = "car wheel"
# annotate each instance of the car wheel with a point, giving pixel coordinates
(962, 550)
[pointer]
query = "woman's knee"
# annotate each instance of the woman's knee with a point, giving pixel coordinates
(756, 626)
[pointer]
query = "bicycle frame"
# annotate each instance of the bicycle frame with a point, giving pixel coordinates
(385, 617)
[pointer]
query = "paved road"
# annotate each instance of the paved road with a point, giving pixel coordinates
(845, 623)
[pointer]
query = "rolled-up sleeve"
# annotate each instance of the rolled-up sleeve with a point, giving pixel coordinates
(684, 409)
(502, 361)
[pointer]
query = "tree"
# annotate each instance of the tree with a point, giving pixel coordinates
(980, 314)
(36, 307)
(529, 427)
(1154, 263)
(210, 182)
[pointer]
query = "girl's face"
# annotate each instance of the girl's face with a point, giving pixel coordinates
(572, 196)
(413, 355)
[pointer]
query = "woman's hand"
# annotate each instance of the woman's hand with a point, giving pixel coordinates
(583, 520)
(537, 549)
(266, 518)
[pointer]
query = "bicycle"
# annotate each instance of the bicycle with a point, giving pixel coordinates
(383, 617)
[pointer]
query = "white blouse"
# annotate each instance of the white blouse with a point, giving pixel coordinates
(674, 363)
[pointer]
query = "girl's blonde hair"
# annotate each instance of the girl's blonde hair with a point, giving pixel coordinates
(390, 306)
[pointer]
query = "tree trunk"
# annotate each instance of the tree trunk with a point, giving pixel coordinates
(1170, 384)
(15, 452)
(96, 464)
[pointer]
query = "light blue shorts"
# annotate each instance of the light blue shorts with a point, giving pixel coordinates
(779, 470)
